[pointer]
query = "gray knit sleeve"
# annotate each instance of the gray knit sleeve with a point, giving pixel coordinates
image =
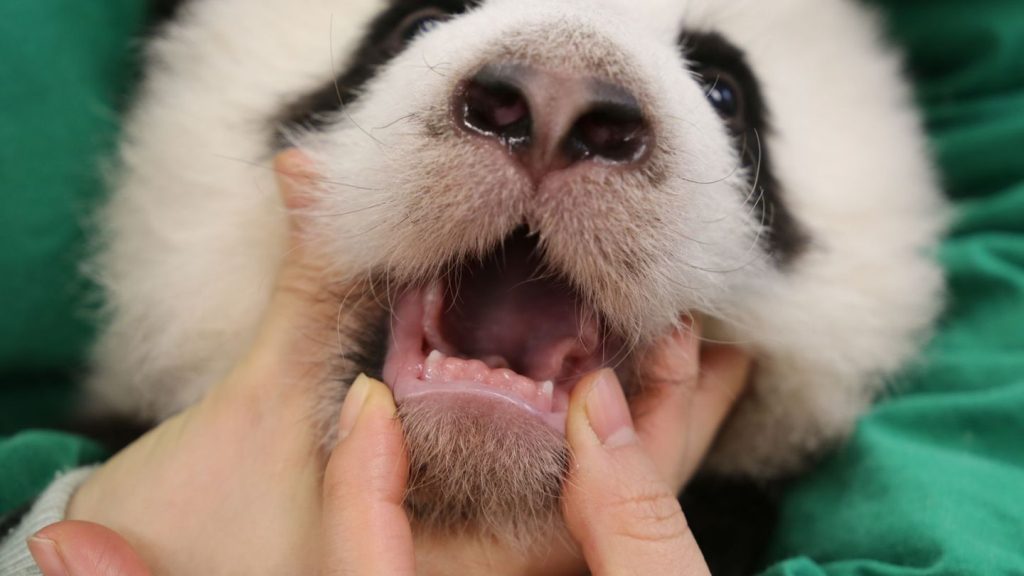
(15, 559)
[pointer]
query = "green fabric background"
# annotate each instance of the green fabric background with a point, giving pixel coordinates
(64, 69)
(931, 483)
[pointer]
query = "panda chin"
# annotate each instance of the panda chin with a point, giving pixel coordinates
(480, 469)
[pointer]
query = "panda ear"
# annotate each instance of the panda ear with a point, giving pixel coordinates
(295, 178)
(161, 11)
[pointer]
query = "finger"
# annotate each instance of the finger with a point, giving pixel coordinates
(74, 548)
(618, 508)
(366, 529)
(724, 375)
(662, 413)
(293, 343)
(693, 390)
(295, 177)
(300, 281)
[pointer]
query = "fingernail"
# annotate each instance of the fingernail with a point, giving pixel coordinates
(354, 402)
(608, 412)
(47, 556)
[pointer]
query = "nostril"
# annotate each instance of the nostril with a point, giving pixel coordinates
(549, 120)
(494, 107)
(611, 132)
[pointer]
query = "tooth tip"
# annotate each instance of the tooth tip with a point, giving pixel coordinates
(434, 358)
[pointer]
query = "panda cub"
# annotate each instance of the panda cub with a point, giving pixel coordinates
(516, 193)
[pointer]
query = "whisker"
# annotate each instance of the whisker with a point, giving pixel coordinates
(396, 121)
(348, 212)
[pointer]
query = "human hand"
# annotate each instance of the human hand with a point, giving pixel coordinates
(620, 507)
(620, 504)
(232, 485)
(363, 528)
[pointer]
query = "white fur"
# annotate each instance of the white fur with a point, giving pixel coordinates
(195, 229)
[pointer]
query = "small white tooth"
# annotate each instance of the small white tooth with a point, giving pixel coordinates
(434, 359)
(547, 389)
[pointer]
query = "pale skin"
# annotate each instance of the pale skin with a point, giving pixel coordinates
(236, 484)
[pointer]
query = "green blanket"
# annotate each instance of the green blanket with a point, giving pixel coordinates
(64, 68)
(931, 483)
(933, 480)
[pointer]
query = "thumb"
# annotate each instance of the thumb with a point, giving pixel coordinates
(365, 528)
(617, 506)
(74, 548)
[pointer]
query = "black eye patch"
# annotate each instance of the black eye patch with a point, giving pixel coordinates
(733, 91)
(384, 39)
(728, 81)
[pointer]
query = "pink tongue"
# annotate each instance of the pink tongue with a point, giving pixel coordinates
(507, 315)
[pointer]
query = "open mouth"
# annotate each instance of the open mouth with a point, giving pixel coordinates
(503, 329)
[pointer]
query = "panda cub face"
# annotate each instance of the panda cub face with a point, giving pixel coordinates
(514, 193)
(540, 190)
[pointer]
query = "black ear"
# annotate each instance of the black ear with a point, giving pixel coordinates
(162, 10)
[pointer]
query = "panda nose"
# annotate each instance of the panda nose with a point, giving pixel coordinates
(549, 121)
